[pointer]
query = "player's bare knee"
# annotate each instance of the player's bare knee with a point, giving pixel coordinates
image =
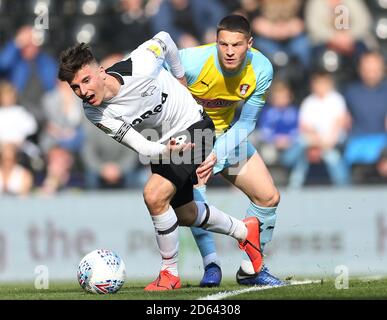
(155, 201)
(275, 200)
(270, 200)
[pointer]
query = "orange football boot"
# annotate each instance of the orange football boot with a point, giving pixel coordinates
(252, 244)
(165, 281)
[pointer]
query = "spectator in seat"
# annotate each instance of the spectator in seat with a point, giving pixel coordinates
(16, 123)
(109, 165)
(367, 102)
(280, 32)
(189, 22)
(29, 69)
(278, 127)
(63, 127)
(131, 20)
(58, 172)
(14, 178)
(341, 26)
(61, 137)
(323, 124)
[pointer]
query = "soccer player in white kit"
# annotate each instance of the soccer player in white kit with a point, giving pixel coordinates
(142, 106)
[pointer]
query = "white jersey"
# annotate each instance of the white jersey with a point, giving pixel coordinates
(149, 98)
(322, 114)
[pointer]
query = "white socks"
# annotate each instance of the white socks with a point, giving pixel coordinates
(247, 267)
(167, 236)
(209, 218)
(213, 219)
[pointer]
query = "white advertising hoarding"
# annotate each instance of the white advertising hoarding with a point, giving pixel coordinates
(316, 231)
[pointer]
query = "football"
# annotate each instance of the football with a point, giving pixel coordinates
(101, 271)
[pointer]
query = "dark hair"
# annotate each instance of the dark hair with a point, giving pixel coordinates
(319, 74)
(234, 23)
(73, 59)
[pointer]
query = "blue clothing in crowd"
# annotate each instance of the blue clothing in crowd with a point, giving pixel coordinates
(201, 16)
(17, 70)
(368, 108)
(278, 122)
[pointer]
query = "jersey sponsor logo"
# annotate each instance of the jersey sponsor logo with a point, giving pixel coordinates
(148, 92)
(122, 131)
(244, 88)
(205, 83)
(103, 128)
(151, 112)
(214, 103)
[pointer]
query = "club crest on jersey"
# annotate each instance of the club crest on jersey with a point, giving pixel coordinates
(244, 88)
(148, 91)
(103, 128)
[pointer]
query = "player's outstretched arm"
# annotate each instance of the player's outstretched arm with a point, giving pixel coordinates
(174, 147)
(138, 143)
(171, 52)
(148, 59)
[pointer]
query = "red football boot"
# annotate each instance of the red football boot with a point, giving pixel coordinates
(165, 281)
(252, 244)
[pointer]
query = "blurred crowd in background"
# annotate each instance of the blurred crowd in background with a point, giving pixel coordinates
(324, 123)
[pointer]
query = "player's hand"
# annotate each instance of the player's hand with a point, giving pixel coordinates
(204, 171)
(173, 146)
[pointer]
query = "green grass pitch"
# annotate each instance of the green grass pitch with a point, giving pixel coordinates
(357, 289)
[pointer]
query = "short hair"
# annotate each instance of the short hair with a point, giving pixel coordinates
(321, 74)
(73, 59)
(372, 53)
(234, 23)
(279, 84)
